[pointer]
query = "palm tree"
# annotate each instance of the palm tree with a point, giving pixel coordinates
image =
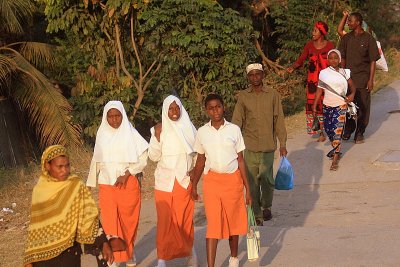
(20, 79)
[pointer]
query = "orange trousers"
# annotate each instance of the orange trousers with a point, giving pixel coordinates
(120, 210)
(224, 205)
(175, 229)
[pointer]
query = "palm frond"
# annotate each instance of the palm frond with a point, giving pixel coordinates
(14, 13)
(7, 66)
(48, 110)
(38, 54)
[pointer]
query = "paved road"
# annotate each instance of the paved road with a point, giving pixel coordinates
(350, 217)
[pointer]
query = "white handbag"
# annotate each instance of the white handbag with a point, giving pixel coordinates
(253, 236)
(352, 110)
(381, 64)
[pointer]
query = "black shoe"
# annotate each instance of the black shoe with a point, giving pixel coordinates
(359, 139)
(346, 136)
(259, 222)
(267, 215)
(332, 151)
(331, 156)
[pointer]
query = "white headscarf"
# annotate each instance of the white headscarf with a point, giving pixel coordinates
(337, 52)
(183, 128)
(124, 144)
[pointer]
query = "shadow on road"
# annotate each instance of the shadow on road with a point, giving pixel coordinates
(146, 245)
(288, 211)
(381, 112)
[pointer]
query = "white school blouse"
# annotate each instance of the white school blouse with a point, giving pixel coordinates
(220, 147)
(108, 172)
(170, 167)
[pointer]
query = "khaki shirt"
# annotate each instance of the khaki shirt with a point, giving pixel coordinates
(261, 119)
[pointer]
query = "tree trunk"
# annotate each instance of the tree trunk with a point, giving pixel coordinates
(138, 102)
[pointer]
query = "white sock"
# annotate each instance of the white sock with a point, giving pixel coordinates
(161, 263)
(233, 262)
(131, 262)
(114, 264)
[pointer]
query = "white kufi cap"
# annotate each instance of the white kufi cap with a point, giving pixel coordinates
(254, 66)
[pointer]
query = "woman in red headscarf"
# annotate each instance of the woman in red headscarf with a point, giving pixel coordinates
(316, 51)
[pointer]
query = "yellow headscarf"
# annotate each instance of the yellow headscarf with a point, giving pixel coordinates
(62, 212)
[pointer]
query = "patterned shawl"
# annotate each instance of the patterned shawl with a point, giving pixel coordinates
(62, 212)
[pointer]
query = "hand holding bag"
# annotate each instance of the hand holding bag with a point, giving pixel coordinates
(285, 176)
(351, 110)
(315, 124)
(253, 236)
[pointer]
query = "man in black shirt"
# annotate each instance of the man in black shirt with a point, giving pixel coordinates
(359, 54)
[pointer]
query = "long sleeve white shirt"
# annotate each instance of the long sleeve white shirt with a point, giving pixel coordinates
(169, 167)
(108, 172)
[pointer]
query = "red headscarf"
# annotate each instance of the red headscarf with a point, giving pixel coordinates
(322, 27)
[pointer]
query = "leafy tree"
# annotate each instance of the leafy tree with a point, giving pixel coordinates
(148, 47)
(22, 81)
(285, 27)
(101, 36)
(205, 48)
(383, 17)
(295, 21)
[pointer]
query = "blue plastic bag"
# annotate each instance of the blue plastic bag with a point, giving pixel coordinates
(284, 177)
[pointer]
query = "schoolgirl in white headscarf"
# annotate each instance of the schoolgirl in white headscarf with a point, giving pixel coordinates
(172, 149)
(119, 154)
(174, 152)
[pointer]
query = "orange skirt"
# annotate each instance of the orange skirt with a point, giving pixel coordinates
(224, 205)
(175, 230)
(120, 210)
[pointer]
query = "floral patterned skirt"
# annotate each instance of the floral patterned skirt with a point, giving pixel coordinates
(334, 121)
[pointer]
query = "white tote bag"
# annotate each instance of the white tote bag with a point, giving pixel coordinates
(253, 236)
(381, 64)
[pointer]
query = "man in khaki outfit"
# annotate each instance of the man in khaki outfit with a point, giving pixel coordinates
(259, 114)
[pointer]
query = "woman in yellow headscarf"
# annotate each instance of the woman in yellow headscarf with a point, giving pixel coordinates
(63, 216)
